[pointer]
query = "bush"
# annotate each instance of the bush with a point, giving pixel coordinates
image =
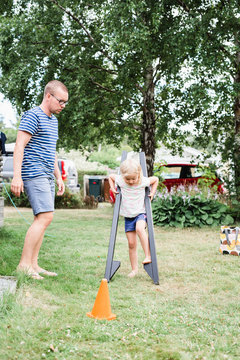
(107, 156)
(21, 201)
(189, 210)
(234, 209)
(67, 201)
(90, 202)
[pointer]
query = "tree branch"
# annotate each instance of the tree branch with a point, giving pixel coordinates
(155, 73)
(140, 88)
(188, 10)
(68, 12)
(184, 6)
(102, 69)
(102, 87)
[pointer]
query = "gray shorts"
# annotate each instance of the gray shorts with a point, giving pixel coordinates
(41, 193)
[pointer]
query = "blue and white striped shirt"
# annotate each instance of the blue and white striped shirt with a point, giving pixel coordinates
(39, 153)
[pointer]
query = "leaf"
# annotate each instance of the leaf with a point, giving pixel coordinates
(209, 221)
(204, 216)
(228, 220)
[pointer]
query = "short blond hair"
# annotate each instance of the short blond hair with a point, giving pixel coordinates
(131, 166)
(53, 85)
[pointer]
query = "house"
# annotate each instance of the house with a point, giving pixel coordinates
(189, 155)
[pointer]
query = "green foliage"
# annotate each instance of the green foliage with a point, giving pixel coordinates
(107, 156)
(21, 201)
(158, 169)
(208, 181)
(11, 134)
(183, 211)
(208, 177)
(68, 200)
(108, 87)
(124, 60)
(235, 209)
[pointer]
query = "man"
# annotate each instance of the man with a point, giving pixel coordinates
(35, 164)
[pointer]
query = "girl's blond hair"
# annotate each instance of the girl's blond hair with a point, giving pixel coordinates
(131, 166)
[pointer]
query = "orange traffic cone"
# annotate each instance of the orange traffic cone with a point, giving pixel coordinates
(102, 308)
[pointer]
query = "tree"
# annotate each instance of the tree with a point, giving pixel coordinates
(118, 58)
(136, 68)
(214, 82)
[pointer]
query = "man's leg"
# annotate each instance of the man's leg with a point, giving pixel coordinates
(141, 232)
(35, 254)
(35, 265)
(132, 246)
(33, 241)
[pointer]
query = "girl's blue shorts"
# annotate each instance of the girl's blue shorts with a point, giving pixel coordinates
(130, 223)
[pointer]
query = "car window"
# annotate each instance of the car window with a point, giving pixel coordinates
(197, 172)
(172, 172)
(8, 164)
(178, 172)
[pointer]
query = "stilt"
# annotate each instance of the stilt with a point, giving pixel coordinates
(151, 268)
(112, 265)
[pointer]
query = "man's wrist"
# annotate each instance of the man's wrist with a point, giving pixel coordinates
(17, 177)
(58, 177)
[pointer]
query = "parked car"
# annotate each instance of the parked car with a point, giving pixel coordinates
(186, 174)
(67, 169)
(7, 170)
(69, 174)
(178, 174)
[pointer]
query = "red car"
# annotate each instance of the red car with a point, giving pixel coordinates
(181, 174)
(186, 174)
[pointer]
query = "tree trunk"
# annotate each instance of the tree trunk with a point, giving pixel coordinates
(236, 155)
(148, 142)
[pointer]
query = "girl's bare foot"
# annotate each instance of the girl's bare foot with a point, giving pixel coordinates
(147, 260)
(132, 273)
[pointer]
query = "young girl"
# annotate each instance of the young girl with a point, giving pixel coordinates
(133, 184)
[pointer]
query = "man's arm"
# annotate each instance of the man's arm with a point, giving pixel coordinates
(23, 138)
(58, 176)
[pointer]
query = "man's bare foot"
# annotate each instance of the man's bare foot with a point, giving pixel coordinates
(29, 271)
(26, 269)
(147, 260)
(132, 273)
(47, 273)
(36, 276)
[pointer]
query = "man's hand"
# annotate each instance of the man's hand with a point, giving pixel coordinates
(61, 187)
(17, 186)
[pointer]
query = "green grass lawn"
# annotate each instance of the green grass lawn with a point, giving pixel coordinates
(192, 314)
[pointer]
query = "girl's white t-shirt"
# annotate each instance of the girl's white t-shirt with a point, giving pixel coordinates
(132, 203)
